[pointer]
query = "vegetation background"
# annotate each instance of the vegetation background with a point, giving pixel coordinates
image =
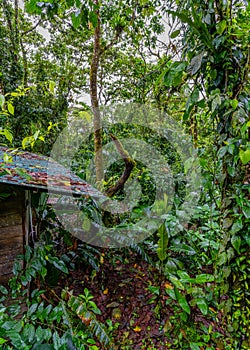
(192, 287)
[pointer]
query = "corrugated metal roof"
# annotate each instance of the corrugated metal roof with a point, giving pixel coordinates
(30, 170)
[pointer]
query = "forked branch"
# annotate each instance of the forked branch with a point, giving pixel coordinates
(129, 165)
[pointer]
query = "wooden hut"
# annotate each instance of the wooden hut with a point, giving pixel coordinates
(22, 173)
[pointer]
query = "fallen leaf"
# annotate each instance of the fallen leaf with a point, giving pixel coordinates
(116, 313)
(113, 304)
(137, 329)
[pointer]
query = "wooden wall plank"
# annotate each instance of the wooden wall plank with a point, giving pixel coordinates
(11, 219)
(11, 231)
(8, 233)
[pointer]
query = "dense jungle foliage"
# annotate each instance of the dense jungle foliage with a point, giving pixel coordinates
(186, 285)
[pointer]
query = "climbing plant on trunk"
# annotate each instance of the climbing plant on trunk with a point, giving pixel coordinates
(217, 55)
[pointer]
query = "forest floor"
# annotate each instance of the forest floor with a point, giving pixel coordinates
(132, 294)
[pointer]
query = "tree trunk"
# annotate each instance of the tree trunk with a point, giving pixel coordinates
(94, 99)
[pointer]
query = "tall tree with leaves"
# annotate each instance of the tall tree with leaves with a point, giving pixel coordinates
(108, 27)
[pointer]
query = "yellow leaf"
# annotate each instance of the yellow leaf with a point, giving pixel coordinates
(106, 291)
(137, 329)
(168, 286)
(116, 313)
(101, 259)
(167, 326)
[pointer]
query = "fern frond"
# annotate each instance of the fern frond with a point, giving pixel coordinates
(139, 249)
(99, 331)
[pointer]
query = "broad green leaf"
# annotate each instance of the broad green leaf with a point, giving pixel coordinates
(31, 7)
(70, 3)
(234, 103)
(192, 99)
(195, 95)
(10, 107)
(247, 238)
(7, 158)
(52, 86)
(35, 136)
(185, 278)
(45, 334)
(154, 290)
(221, 26)
(43, 271)
(202, 278)
(173, 76)
(2, 341)
(15, 338)
(202, 305)
(3, 290)
(231, 148)
(32, 309)
(245, 156)
(170, 266)
(162, 243)
(93, 18)
(246, 212)
(171, 293)
(237, 226)
(26, 141)
(59, 264)
(2, 100)
(231, 170)
(194, 346)
(222, 259)
(227, 223)
(85, 115)
(177, 283)
(175, 34)
(207, 18)
(8, 135)
(236, 242)
(15, 326)
(182, 301)
(222, 151)
(29, 332)
(40, 334)
(216, 102)
(76, 19)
